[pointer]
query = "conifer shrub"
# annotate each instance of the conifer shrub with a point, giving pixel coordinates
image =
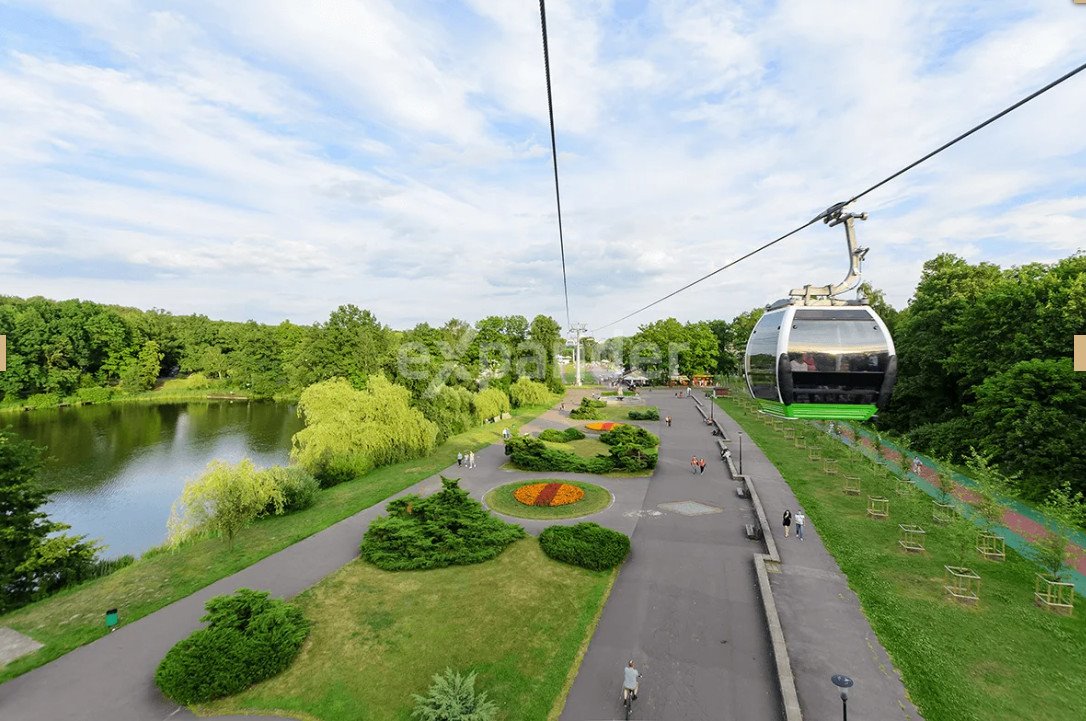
(446, 528)
(249, 637)
(588, 545)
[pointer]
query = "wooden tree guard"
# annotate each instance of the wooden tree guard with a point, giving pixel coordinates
(942, 512)
(814, 455)
(992, 547)
(830, 466)
(1055, 596)
(852, 485)
(912, 538)
(800, 443)
(902, 486)
(962, 584)
(878, 507)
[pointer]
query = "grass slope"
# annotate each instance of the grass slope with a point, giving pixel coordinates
(1004, 659)
(76, 616)
(520, 620)
(501, 499)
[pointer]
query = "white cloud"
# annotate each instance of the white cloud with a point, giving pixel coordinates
(276, 159)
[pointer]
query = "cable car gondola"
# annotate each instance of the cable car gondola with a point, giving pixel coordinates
(814, 355)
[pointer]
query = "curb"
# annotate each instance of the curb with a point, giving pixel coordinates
(762, 563)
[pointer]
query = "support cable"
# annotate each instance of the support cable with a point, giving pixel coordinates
(838, 206)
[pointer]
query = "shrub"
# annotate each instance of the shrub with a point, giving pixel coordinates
(105, 566)
(588, 545)
(299, 488)
(42, 400)
(586, 413)
(249, 637)
(94, 394)
(589, 409)
(491, 403)
(644, 414)
(564, 436)
(629, 435)
(444, 529)
(452, 697)
(526, 392)
(531, 454)
(223, 501)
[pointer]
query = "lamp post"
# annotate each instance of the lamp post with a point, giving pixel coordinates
(844, 683)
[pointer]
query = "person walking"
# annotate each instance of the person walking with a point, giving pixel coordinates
(459, 458)
(787, 521)
(701, 465)
(471, 459)
(799, 519)
(693, 464)
(505, 434)
(667, 420)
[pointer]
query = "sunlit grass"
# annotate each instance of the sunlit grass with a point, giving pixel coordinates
(519, 620)
(76, 616)
(1004, 659)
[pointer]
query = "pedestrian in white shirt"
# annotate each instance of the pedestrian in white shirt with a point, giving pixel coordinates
(799, 519)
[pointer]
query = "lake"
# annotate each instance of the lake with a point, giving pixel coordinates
(118, 468)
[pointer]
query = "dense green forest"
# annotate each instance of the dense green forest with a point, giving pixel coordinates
(72, 351)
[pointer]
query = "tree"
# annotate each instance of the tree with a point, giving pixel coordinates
(526, 392)
(212, 361)
(729, 361)
(348, 431)
(223, 501)
(33, 560)
(1064, 510)
(352, 344)
(140, 373)
(701, 352)
(1033, 417)
(450, 408)
(491, 403)
(991, 486)
(452, 697)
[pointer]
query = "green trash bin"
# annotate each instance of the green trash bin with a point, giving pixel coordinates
(111, 619)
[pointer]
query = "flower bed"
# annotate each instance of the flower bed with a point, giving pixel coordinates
(548, 495)
(603, 426)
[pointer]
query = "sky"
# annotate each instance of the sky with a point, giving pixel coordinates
(273, 159)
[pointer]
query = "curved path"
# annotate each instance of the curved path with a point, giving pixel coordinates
(111, 679)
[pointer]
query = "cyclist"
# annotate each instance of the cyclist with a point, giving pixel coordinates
(631, 676)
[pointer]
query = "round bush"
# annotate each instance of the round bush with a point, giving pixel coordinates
(588, 545)
(298, 486)
(250, 637)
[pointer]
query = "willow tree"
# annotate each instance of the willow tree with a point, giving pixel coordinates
(223, 501)
(349, 432)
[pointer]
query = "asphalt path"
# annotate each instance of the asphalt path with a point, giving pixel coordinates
(685, 606)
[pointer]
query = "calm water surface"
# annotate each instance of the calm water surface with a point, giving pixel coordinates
(117, 468)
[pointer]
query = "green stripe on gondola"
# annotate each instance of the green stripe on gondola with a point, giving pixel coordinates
(820, 411)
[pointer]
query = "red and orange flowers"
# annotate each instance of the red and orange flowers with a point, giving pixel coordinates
(548, 494)
(603, 425)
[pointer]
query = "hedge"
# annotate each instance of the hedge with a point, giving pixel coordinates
(249, 638)
(588, 545)
(644, 414)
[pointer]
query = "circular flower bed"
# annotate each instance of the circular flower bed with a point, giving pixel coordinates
(525, 499)
(603, 425)
(548, 495)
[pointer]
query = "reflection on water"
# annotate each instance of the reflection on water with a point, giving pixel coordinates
(117, 468)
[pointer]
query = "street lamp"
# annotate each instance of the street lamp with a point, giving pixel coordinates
(844, 683)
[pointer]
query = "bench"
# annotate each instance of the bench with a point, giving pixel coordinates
(753, 531)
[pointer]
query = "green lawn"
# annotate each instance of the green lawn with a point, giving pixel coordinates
(1004, 659)
(595, 499)
(589, 447)
(76, 616)
(521, 621)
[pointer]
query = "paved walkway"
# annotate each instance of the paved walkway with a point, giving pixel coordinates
(685, 605)
(824, 626)
(111, 679)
